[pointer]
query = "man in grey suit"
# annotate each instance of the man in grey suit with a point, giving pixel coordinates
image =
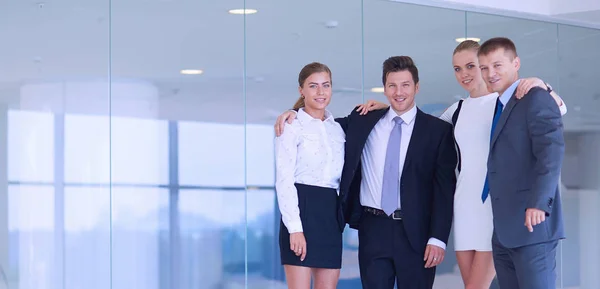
(524, 164)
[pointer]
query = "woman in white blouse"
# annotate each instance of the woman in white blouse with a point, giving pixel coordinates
(309, 161)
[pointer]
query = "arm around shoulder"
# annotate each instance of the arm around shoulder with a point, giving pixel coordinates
(545, 127)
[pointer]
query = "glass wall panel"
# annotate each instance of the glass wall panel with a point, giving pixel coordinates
(579, 59)
(177, 131)
(54, 63)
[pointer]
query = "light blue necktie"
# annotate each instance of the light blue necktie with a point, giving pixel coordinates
(498, 112)
(390, 193)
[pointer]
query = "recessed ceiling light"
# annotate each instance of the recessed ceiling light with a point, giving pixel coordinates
(461, 39)
(377, 89)
(191, 71)
(331, 24)
(242, 11)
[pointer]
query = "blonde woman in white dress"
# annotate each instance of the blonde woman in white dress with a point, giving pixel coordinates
(473, 223)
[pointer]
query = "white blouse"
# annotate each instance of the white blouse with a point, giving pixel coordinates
(310, 152)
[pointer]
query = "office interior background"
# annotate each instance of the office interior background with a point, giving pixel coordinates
(137, 136)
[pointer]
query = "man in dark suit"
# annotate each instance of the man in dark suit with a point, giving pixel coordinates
(397, 186)
(524, 164)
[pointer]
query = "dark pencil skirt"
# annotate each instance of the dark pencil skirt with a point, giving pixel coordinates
(318, 213)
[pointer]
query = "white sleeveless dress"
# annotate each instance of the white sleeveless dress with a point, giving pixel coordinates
(473, 222)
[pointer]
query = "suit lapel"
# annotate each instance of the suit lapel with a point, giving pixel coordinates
(416, 139)
(503, 118)
(373, 118)
(371, 121)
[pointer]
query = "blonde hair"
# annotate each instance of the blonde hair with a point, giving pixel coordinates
(466, 45)
(308, 70)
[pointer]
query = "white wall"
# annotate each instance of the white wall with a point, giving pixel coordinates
(542, 7)
(573, 6)
(539, 7)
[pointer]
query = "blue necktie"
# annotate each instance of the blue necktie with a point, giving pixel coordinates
(390, 192)
(497, 113)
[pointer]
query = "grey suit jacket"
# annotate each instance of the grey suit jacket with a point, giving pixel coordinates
(524, 164)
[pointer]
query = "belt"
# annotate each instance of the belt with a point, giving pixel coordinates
(397, 215)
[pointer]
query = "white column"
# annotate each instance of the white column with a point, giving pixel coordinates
(589, 210)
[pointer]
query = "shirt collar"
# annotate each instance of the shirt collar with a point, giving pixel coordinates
(505, 97)
(406, 117)
(303, 116)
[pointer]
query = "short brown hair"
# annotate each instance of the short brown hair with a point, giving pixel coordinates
(306, 72)
(466, 45)
(400, 63)
(496, 43)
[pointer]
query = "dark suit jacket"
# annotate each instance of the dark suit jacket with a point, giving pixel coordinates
(524, 166)
(428, 178)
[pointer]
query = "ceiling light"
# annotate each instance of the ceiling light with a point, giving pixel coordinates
(377, 89)
(461, 39)
(242, 11)
(331, 24)
(191, 71)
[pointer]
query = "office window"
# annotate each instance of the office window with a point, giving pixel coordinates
(87, 237)
(260, 157)
(87, 149)
(30, 146)
(31, 228)
(211, 154)
(134, 150)
(212, 231)
(120, 227)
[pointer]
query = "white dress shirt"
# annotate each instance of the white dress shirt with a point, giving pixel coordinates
(373, 159)
(310, 152)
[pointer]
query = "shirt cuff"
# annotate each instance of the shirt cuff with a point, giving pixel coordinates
(294, 227)
(436, 242)
(563, 108)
